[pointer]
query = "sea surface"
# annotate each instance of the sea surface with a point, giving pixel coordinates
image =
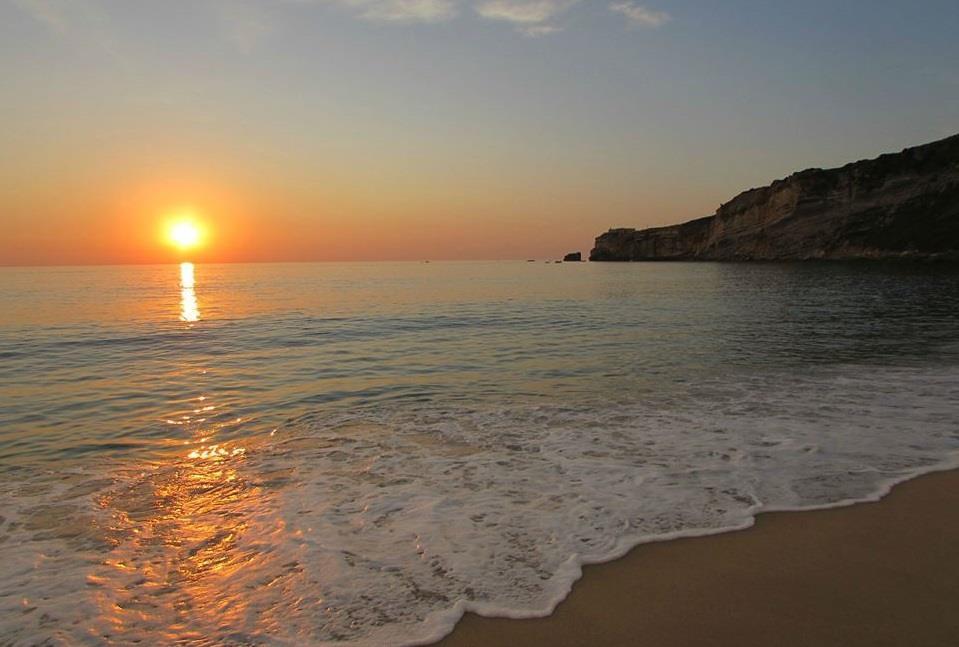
(356, 454)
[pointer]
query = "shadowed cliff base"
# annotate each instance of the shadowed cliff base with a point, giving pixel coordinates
(897, 206)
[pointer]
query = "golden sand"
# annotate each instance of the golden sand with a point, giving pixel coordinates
(869, 575)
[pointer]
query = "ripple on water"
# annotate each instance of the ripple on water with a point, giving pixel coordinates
(382, 526)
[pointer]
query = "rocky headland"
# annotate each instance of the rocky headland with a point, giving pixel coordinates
(897, 206)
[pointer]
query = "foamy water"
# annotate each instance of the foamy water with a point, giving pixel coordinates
(357, 454)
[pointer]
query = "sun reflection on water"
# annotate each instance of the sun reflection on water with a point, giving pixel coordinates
(181, 543)
(189, 308)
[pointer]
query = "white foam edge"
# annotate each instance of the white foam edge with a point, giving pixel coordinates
(440, 624)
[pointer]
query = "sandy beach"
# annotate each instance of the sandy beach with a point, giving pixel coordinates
(873, 574)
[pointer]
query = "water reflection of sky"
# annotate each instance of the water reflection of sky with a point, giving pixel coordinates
(252, 472)
(96, 361)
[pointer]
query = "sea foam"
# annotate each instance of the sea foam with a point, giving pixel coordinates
(383, 526)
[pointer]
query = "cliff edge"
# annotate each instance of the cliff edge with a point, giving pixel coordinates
(899, 205)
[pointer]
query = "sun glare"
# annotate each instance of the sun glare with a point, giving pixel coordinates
(185, 233)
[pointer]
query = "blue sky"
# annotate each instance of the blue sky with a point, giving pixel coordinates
(486, 119)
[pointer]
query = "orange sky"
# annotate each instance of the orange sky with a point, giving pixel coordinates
(377, 130)
(117, 209)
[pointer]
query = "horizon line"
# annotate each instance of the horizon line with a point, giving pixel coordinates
(286, 262)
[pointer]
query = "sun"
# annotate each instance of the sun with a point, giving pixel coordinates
(185, 233)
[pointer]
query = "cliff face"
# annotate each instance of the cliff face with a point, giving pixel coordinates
(901, 205)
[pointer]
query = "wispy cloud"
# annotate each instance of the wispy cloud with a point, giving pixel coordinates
(523, 11)
(401, 10)
(640, 16)
(245, 24)
(530, 17)
(535, 31)
(248, 23)
(49, 13)
(84, 22)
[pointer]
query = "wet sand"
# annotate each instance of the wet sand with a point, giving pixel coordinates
(873, 574)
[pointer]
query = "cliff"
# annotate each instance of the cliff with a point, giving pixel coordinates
(900, 205)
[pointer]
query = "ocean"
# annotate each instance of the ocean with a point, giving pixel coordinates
(358, 453)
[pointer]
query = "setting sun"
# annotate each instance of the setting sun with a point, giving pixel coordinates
(185, 234)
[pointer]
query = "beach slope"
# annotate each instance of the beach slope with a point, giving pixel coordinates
(873, 574)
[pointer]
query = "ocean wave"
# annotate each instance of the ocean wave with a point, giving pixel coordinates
(384, 524)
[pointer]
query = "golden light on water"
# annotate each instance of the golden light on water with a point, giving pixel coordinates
(189, 307)
(184, 534)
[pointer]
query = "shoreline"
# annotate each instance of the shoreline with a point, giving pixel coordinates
(874, 572)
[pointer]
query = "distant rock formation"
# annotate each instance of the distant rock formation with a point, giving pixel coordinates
(900, 205)
(574, 257)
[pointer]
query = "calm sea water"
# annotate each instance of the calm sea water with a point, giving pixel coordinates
(357, 453)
